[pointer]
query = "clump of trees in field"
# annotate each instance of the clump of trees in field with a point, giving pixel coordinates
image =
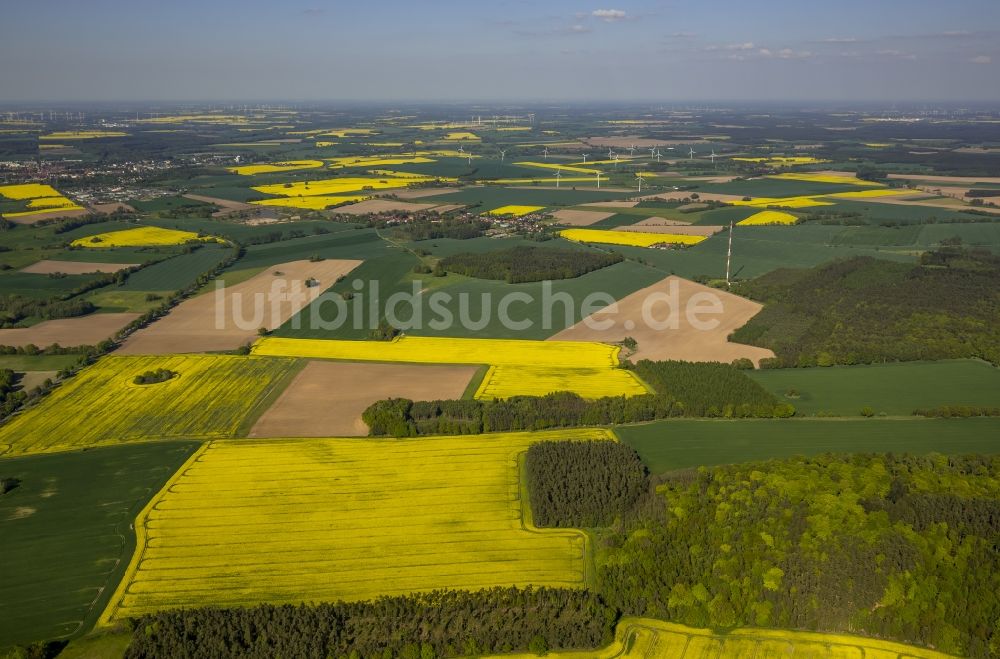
(684, 389)
(583, 484)
(865, 310)
(524, 264)
(154, 377)
(424, 626)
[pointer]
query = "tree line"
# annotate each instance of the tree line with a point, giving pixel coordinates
(864, 310)
(444, 623)
(683, 389)
(525, 264)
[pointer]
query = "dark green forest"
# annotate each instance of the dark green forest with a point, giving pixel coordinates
(583, 484)
(865, 310)
(896, 547)
(438, 624)
(523, 264)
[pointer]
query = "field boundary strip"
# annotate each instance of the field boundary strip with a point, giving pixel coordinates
(140, 538)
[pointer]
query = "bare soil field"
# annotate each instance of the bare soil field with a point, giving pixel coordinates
(67, 332)
(47, 267)
(326, 398)
(112, 207)
(579, 218)
(202, 324)
(54, 215)
(31, 379)
(447, 208)
(659, 225)
(382, 206)
(417, 193)
(226, 206)
(682, 339)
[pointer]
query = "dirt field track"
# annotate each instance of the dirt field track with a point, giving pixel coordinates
(382, 206)
(685, 341)
(327, 398)
(195, 325)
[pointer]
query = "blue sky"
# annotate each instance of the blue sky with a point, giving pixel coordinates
(561, 50)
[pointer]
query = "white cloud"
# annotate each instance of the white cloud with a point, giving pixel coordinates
(840, 40)
(732, 46)
(578, 29)
(982, 59)
(609, 15)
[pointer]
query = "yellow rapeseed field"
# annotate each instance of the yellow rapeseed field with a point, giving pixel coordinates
(139, 237)
(646, 638)
(320, 520)
(779, 161)
(337, 186)
(458, 136)
(515, 210)
(872, 194)
(446, 350)
(342, 132)
(317, 203)
(518, 367)
(555, 166)
(270, 168)
(590, 383)
(375, 161)
(40, 199)
(769, 217)
(817, 177)
(210, 398)
(81, 134)
(786, 202)
(633, 238)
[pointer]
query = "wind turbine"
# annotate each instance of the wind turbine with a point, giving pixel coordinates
(558, 176)
(470, 158)
(729, 253)
(585, 158)
(639, 176)
(461, 149)
(652, 153)
(611, 154)
(691, 153)
(657, 155)
(713, 157)
(545, 153)
(503, 152)
(631, 150)
(616, 161)
(598, 180)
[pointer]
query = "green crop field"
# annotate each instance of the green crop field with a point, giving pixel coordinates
(475, 299)
(893, 389)
(178, 272)
(351, 244)
(41, 286)
(758, 250)
(37, 362)
(680, 444)
(494, 196)
(67, 533)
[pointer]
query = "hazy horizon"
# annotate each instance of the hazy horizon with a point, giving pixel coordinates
(513, 51)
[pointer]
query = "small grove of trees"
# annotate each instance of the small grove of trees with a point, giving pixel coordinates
(423, 626)
(524, 264)
(583, 484)
(154, 377)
